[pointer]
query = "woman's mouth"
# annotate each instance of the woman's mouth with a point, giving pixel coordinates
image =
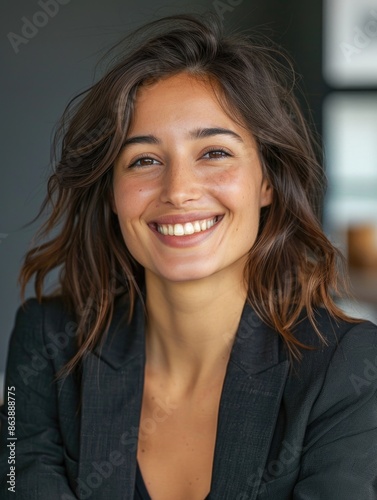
(187, 228)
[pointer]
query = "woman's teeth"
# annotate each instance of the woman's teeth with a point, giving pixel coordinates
(187, 228)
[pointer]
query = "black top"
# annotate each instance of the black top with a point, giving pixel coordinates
(141, 492)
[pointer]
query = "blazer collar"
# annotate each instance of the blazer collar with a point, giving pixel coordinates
(256, 346)
(124, 340)
(113, 378)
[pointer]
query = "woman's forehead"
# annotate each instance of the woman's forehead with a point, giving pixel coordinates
(178, 88)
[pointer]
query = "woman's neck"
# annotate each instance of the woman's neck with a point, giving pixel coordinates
(191, 327)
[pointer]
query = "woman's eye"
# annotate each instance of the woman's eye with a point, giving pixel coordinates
(144, 161)
(216, 154)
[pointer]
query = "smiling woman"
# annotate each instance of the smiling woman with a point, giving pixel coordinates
(183, 194)
(193, 348)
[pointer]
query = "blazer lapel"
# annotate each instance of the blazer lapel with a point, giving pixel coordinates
(249, 407)
(112, 387)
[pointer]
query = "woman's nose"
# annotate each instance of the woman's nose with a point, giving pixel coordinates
(180, 184)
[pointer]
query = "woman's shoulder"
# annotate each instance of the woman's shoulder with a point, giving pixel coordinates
(44, 329)
(50, 326)
(346, 355)
(49, 313)
(54, 311)
(330, 332)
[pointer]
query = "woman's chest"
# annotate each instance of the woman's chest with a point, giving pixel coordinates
(176, 444)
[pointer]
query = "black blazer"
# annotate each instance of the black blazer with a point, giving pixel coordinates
(305, 433)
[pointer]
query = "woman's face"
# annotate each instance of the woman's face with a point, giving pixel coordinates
(188, 184)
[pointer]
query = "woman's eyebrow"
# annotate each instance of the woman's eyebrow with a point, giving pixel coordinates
(198, 133)
(201, 133)
(141, 139)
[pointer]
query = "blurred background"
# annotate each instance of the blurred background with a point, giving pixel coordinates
(49, 50)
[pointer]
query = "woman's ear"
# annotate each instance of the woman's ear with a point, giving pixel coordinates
(266, 193)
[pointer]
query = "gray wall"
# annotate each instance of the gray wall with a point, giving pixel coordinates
(43, 67)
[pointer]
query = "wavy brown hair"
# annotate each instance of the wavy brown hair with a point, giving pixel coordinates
(292, 264)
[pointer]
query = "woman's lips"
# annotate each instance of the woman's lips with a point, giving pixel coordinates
(185, 233)
(187, 228)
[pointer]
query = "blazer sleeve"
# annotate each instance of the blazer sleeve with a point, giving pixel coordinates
(339, 459)
(39, 461)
